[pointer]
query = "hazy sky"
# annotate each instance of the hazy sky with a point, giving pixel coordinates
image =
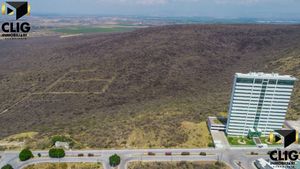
(205, 8)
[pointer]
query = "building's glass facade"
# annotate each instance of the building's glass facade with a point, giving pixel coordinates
(259, 101)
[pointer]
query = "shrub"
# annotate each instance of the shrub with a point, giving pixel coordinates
(58, 138)
(114, 160)
(8, 166)
(56, 153)
(210, 144)
(25, 154)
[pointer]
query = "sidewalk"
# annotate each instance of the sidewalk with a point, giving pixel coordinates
(219, 139)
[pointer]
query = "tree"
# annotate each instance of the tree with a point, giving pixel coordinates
(8, 166)
(114, 160)
(56, 153)
(25, 154)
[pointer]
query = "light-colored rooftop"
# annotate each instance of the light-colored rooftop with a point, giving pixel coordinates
(62, 144)
(265, 75)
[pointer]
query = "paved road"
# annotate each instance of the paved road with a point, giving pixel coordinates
(231, 156)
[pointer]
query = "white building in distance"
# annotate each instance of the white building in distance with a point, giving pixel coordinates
(259, 102)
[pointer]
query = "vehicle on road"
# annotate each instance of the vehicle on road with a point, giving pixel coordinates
(151, 154)
(253, 153)
(168, 153)
(185, 153)
(202, 153)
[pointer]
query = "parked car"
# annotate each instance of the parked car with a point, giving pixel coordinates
(185, 153)
(168, 153)
(254, 153)
(203, 153)
(151, 154)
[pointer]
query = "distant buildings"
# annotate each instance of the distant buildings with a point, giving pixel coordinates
(259, 103)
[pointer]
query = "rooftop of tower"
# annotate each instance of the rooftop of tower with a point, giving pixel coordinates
(261, 75)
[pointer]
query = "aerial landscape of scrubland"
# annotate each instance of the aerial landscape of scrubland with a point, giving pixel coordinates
(141, 88)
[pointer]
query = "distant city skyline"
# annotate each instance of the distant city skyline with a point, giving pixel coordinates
(285, 9)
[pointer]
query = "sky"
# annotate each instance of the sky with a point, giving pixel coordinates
(287, 9)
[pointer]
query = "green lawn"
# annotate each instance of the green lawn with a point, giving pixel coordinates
(235, 141)
(77, 30)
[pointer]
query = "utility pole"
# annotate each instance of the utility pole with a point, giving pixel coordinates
(141, 159)
(172, 160)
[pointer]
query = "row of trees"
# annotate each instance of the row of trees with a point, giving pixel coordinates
(26, 154)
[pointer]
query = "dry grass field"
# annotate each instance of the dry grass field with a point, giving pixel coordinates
(65, 166)
(177, 165)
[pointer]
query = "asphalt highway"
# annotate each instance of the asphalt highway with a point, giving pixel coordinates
(231, 156)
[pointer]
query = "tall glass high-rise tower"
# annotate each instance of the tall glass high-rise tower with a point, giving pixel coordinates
(259, 102)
